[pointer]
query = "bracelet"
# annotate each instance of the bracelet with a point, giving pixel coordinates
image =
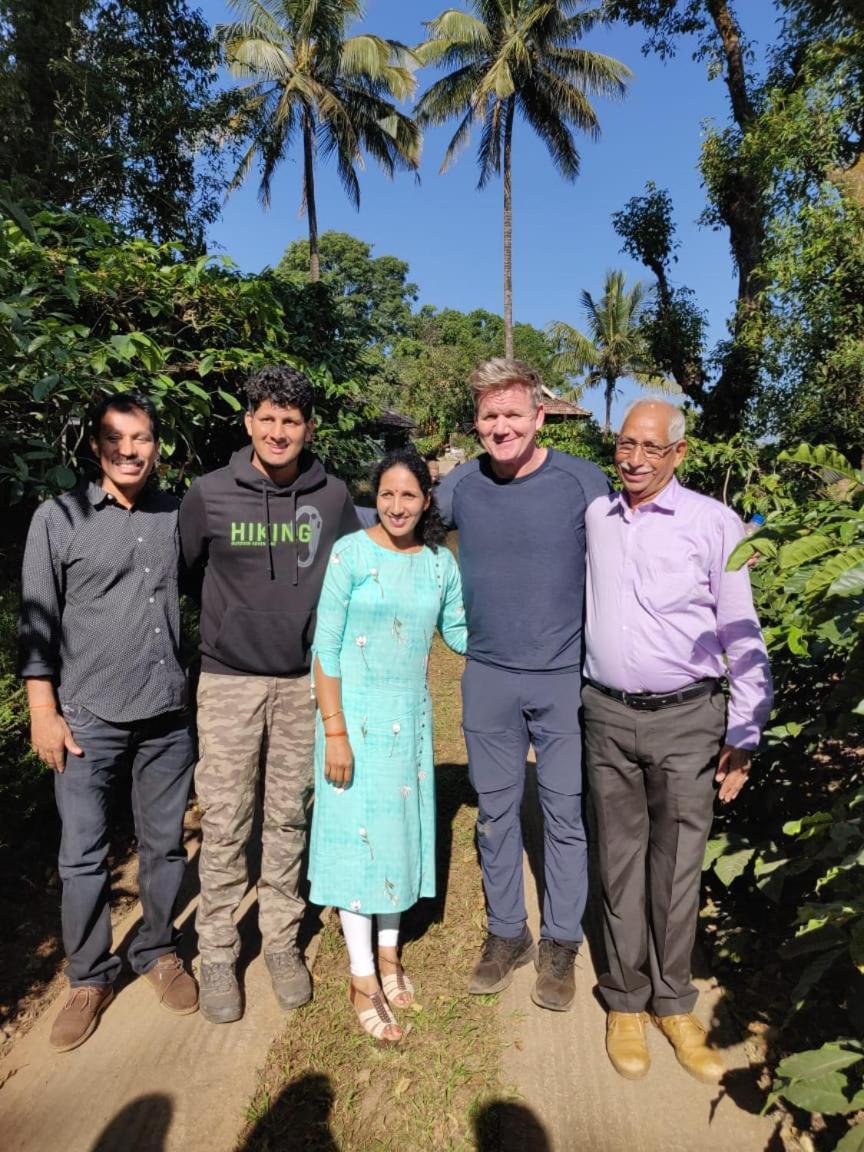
(33, 707)
(330, 715)
(328, 735)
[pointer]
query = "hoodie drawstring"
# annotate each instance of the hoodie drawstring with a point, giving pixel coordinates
(296, 541)
(266, 493)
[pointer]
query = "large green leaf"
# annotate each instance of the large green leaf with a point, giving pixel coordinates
(853, 1141)
(730, 867)
(821, 456)
(819, 1094)
(851, 583)
(804, 549)
(827, 572)
(816, 1062)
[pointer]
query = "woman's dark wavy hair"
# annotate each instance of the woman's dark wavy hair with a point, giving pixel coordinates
(430, 527)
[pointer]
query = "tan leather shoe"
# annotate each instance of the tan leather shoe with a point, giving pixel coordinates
(175, 988)
(687, 1037)
(78, 1017)
(626, 1045)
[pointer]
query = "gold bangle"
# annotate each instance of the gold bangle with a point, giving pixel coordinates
(328, 735)
(33, 707)
(330, 715)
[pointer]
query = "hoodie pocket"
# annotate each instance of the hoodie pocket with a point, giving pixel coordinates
(265, 643)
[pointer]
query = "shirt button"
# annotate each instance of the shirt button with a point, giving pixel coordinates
(157, 630)
(140, 539)
(152, 599)
(146, 569)
(161, 661)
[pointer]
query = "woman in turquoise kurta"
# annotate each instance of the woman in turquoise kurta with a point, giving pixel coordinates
(372, 846)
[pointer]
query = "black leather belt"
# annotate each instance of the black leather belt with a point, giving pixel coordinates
(651, 701)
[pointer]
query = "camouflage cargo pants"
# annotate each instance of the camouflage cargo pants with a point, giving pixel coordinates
(248, 725)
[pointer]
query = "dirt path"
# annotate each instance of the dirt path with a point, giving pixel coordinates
(570, 1099)
(146, 1081)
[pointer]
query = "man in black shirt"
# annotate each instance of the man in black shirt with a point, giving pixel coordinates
(99, 641)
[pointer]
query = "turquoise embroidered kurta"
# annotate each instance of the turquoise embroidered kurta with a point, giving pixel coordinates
(372, 846)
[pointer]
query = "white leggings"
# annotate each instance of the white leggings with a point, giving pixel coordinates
(357, 930)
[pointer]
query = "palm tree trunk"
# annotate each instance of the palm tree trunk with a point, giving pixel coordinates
(309, 198)
(508, 230)
(610, 393)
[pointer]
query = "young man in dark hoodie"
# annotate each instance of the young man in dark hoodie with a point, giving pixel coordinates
(261, 529)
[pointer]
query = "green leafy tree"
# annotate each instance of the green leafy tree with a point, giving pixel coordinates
(426, 375)
(309, 79)
(110, 108)
(516, 56)
(672, 322)
(614, 347)
(372, 293)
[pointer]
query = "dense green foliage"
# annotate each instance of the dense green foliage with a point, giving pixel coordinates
(85, 310)
(784, 176)
(110, 108)
(793, 859)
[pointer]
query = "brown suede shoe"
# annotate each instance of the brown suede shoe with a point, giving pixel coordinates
(687, 1037)
(626, 1045)
(78, 1017)
(175, 988)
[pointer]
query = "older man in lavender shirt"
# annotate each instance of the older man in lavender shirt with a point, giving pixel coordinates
(665, 623)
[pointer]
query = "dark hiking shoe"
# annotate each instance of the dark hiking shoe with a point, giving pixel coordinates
(291, 980)
(494, 970)
(77, 1019)
(175, 988)
(219, 999)
(555, 985)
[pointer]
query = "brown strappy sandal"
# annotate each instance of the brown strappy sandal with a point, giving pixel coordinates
(397, 985)
(377, 1019)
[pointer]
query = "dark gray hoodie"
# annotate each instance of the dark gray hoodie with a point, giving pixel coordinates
(263, 550)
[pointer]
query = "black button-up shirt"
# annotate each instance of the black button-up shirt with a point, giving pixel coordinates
(100, 611)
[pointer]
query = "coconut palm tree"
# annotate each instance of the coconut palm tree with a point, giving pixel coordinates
(509, 56)
(614, 347)
(308, 79)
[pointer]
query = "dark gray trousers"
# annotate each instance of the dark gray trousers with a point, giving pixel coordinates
(651, 783)
(161, 752)
(502, 713)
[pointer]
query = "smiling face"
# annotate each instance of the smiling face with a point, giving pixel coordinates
(645, 476)
(278, 436)
(400, 503)
(507, 423)
(127, 451)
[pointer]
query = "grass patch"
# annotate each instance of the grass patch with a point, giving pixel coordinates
(327, 1085)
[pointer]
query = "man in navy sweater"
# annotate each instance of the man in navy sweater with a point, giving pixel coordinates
(520, 510)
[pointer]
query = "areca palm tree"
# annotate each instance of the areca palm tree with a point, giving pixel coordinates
(613, 347)
(337, 93)
(509, 56)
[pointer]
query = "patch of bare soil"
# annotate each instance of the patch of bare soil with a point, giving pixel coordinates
(32, 962)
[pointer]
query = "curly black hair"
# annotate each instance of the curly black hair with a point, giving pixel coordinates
(282, 385)
(430, 527)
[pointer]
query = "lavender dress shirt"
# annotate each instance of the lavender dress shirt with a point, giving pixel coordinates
(661, 609)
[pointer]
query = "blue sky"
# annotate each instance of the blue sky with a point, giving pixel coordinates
(451, 235)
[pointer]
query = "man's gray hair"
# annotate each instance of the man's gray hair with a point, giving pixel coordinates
(498, 373)
(677, 419)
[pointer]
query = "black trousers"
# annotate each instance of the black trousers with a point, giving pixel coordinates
(651, 782)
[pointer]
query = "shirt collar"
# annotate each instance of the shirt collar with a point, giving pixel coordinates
(99, 497)
(665, 501)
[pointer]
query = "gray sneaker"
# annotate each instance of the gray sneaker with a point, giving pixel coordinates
(494, 970)
(291, 980)
(219, 999)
